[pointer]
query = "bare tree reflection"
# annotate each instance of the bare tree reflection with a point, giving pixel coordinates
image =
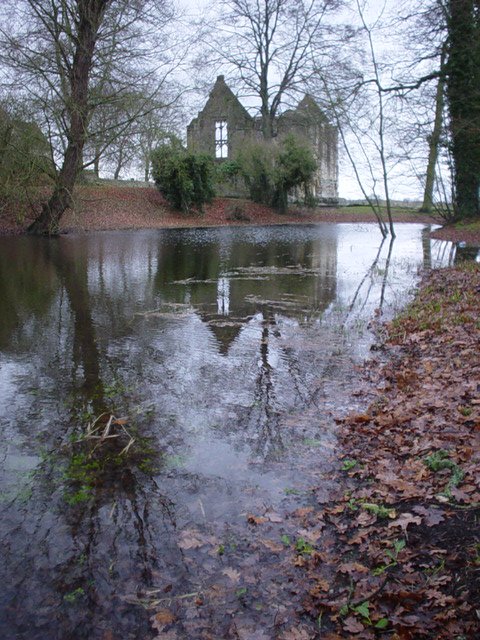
(385, 274)
(71, 267)
(264, 414)
(371, 279)
(99, 530)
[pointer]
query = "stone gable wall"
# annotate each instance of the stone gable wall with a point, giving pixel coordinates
(307, 123)
(222, 106)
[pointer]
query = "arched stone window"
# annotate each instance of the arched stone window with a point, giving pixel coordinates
(221, 139)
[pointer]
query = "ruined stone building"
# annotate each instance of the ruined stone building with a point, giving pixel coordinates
(224, 125)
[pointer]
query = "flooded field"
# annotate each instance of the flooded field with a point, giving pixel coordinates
(160, 390)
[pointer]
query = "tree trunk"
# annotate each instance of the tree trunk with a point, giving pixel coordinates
(463, 91)
(96, 163)
(90, 14)
(119, 165)
(267, 129)
(47, 223)
(434, 142)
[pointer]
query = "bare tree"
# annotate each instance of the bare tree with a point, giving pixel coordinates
(423, 32)
(454, 45)
(434, 140)
(351, 87)
(268, 45)
(163, 121)
(124, 132)
(380, 124)
(60, 50)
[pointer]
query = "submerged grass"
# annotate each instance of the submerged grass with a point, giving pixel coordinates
(106, 448)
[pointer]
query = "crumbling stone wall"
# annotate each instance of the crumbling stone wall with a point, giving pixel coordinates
(309, 125)
(307, 122)
(222, 106)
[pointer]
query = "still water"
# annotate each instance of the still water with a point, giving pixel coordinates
(222, 356)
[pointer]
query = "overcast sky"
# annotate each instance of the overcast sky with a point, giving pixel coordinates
(402, 184)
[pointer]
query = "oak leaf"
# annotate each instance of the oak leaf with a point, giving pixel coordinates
(353, 567)
(352, 625)
(275, 547)
(190, 539)
(404, 520)
(233, 574)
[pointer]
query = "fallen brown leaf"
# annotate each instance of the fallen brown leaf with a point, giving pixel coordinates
(161, 619)
(404, 520)
(233, 574)
(352, 625)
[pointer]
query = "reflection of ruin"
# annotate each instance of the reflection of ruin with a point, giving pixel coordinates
(227, 288)
(264, 288)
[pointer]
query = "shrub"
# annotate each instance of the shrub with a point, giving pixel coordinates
(185, 179)
(256, 162)
(24, 161)
(228, 170)
(295, 166)
(271, 171)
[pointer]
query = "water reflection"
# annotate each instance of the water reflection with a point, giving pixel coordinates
(227, 282)
(465, 253)
(220, 354)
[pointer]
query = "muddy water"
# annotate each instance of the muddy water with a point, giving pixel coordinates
(222, 356)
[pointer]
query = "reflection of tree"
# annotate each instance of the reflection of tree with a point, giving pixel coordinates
(110, 528)
(427, 247)
(370, 279)
(113, 478)
(264, 414)
(71, 267)
(385, 273)
(94, 557)
(27, 285)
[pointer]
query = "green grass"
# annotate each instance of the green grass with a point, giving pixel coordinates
(471, 227)
(361, 208)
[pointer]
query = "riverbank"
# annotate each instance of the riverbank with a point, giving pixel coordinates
(114, 206)
(110, 205)
(404, 552)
